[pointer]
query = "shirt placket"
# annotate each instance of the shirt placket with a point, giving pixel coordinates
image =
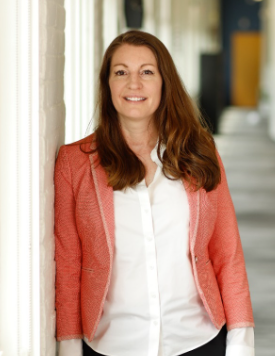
(151, 268)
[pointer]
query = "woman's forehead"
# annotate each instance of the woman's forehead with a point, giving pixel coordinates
(127, 54)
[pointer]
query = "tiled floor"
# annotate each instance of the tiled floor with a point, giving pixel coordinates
(249, 158)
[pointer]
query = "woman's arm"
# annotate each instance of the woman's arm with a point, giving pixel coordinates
(67, 253)
(226, 254)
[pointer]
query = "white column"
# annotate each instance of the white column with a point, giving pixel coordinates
(194, 25)
(185, 26)
(110, 21)
(19, 179)
(121, 20)
(164, 31)
(149, 14)
(179, 16)
(98, 35)
(81, 42)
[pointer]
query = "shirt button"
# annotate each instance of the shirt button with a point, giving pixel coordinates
(155, 322)
(153, 295)
(149, 238)
(146, 211)
(196, 259)
(151, 267)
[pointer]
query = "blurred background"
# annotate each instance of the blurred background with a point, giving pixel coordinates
(223, 50)
(51, 51)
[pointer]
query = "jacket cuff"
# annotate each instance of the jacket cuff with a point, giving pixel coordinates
(69, 337)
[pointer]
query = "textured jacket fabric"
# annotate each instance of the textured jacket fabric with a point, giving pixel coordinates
(84, 232)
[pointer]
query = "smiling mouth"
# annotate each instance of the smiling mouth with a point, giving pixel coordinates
(135, 99)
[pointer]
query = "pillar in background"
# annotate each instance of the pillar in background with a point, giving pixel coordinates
(111, 20)
(164, 30)
(86, 37)
(195, 29)
(51, 136)
(79, 74)
(19, 180)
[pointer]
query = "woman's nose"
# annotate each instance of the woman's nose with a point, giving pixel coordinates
(134, 81)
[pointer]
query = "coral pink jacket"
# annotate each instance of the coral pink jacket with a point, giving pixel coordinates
(84, 230)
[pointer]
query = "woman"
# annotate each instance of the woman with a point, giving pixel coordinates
(148, 255)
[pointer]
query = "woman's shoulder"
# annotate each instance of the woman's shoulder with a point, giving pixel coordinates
(85, 143)
(84, 146)
(76, 153)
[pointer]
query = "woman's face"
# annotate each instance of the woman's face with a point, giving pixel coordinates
(135, 83)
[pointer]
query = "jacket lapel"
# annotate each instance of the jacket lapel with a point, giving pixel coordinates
(105, 197)
(194, 206)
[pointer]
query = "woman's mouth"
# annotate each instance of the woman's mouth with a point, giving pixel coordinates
(135, 98)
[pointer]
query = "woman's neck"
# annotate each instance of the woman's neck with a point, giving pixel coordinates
(141, 138)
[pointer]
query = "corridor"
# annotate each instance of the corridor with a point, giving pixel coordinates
(249, 158)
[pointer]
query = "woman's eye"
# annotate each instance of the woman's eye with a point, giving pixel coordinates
(147, 71)
(120, 72)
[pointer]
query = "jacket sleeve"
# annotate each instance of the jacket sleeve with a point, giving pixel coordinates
(67, 253)
(226, 254)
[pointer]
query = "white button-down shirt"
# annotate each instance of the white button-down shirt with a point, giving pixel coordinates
(152, 307)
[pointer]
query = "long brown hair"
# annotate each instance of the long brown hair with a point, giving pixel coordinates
(190, 149)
